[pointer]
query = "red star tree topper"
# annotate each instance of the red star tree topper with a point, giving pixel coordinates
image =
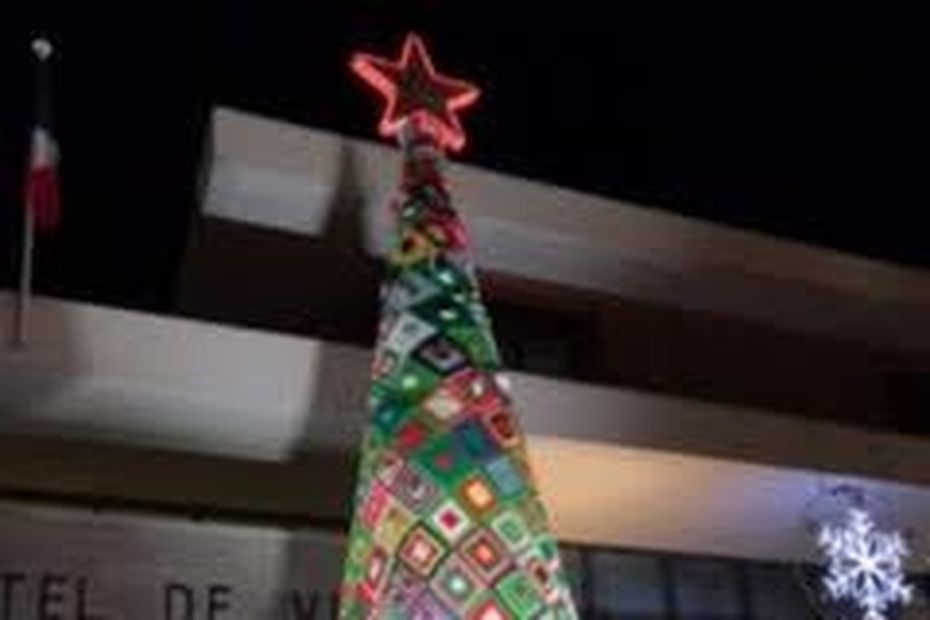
(414, 92)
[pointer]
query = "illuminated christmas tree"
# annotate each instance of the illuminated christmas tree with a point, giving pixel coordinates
(448, 522)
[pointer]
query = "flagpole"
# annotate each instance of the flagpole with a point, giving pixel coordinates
(43, 49)
(24, 297)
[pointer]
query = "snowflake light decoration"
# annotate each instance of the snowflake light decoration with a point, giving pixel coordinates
(865, 565)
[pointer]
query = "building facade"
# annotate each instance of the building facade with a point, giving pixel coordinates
(690, 390)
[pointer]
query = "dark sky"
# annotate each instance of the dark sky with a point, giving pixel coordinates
(805, 125)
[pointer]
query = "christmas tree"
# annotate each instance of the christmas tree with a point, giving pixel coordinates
(448, 522)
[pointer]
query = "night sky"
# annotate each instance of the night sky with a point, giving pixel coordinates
(807, 126)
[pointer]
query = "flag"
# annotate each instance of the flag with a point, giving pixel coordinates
(42, 192)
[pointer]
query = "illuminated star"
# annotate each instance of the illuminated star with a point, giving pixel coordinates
(414, 91)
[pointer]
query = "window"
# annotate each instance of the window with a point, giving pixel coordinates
(706, 589)
(614, 584)
(626, 585)
(775, 593)
(543, 340)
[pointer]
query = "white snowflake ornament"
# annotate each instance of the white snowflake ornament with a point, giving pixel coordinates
(865, 565)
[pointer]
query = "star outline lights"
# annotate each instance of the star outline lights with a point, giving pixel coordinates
(414, 92)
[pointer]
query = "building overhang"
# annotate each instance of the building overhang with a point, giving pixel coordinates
(190, 415)
(275, 174)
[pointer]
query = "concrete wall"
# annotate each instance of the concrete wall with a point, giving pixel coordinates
(191, 416)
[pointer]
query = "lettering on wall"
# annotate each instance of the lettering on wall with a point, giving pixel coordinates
(60, 596)
(64, 565)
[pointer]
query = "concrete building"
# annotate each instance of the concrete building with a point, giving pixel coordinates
(691, 391)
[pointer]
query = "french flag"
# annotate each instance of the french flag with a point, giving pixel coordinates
(42, 191)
